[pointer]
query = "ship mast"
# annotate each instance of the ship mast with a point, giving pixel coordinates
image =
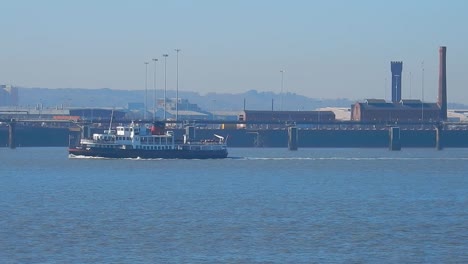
(110, 123)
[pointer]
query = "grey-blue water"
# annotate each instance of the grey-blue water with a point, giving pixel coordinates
(261, 206)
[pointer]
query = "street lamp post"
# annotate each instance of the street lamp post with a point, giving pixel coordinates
(154, 90)
(213, 113)
(422, 93)
(177, 87)
(319, 112)
(146, 90)
(92, 110)
(410, 85)
(385, 90)
(165, 83)
(281, 95)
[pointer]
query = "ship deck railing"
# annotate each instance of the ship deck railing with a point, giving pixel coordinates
(200, 147)
(93, 141)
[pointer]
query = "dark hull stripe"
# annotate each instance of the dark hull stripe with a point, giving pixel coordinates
(151, 154)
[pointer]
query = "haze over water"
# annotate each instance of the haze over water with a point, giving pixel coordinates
(259, 206)
(328, 49)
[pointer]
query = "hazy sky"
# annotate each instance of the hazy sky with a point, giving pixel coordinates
(328, 49)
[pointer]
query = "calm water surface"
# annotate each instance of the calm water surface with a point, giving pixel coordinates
(259, 206)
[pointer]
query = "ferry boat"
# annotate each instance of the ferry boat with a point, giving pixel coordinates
(149, 142)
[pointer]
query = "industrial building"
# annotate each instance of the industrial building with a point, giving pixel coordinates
(378, 110)
(180, 103)
(98, 113)
(403, 110)
(287, 116)
(59, 113)
(8, 95)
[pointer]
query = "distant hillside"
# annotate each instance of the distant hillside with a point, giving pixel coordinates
(106, 97)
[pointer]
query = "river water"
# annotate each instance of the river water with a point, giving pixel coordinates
(258, 206)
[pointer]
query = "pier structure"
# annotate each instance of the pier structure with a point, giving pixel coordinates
(12, 134)
(439, 138)
(292, 138)
(374, 123)
(394, 138)
(258, 134)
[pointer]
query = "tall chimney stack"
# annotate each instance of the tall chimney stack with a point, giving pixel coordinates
(442, 98)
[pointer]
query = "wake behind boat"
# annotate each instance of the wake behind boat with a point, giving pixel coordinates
(135, 141)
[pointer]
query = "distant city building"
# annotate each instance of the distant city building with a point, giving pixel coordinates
(98, 113)
(287, 116)
(341, 113)
(378, 110)
(37, 112)
(186, 115)
(57, 113)
(8, 95)
(183, 104)
(226, 115)
(136, 106)
(185, 108)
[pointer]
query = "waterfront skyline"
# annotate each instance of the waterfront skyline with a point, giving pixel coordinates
(336, 49)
